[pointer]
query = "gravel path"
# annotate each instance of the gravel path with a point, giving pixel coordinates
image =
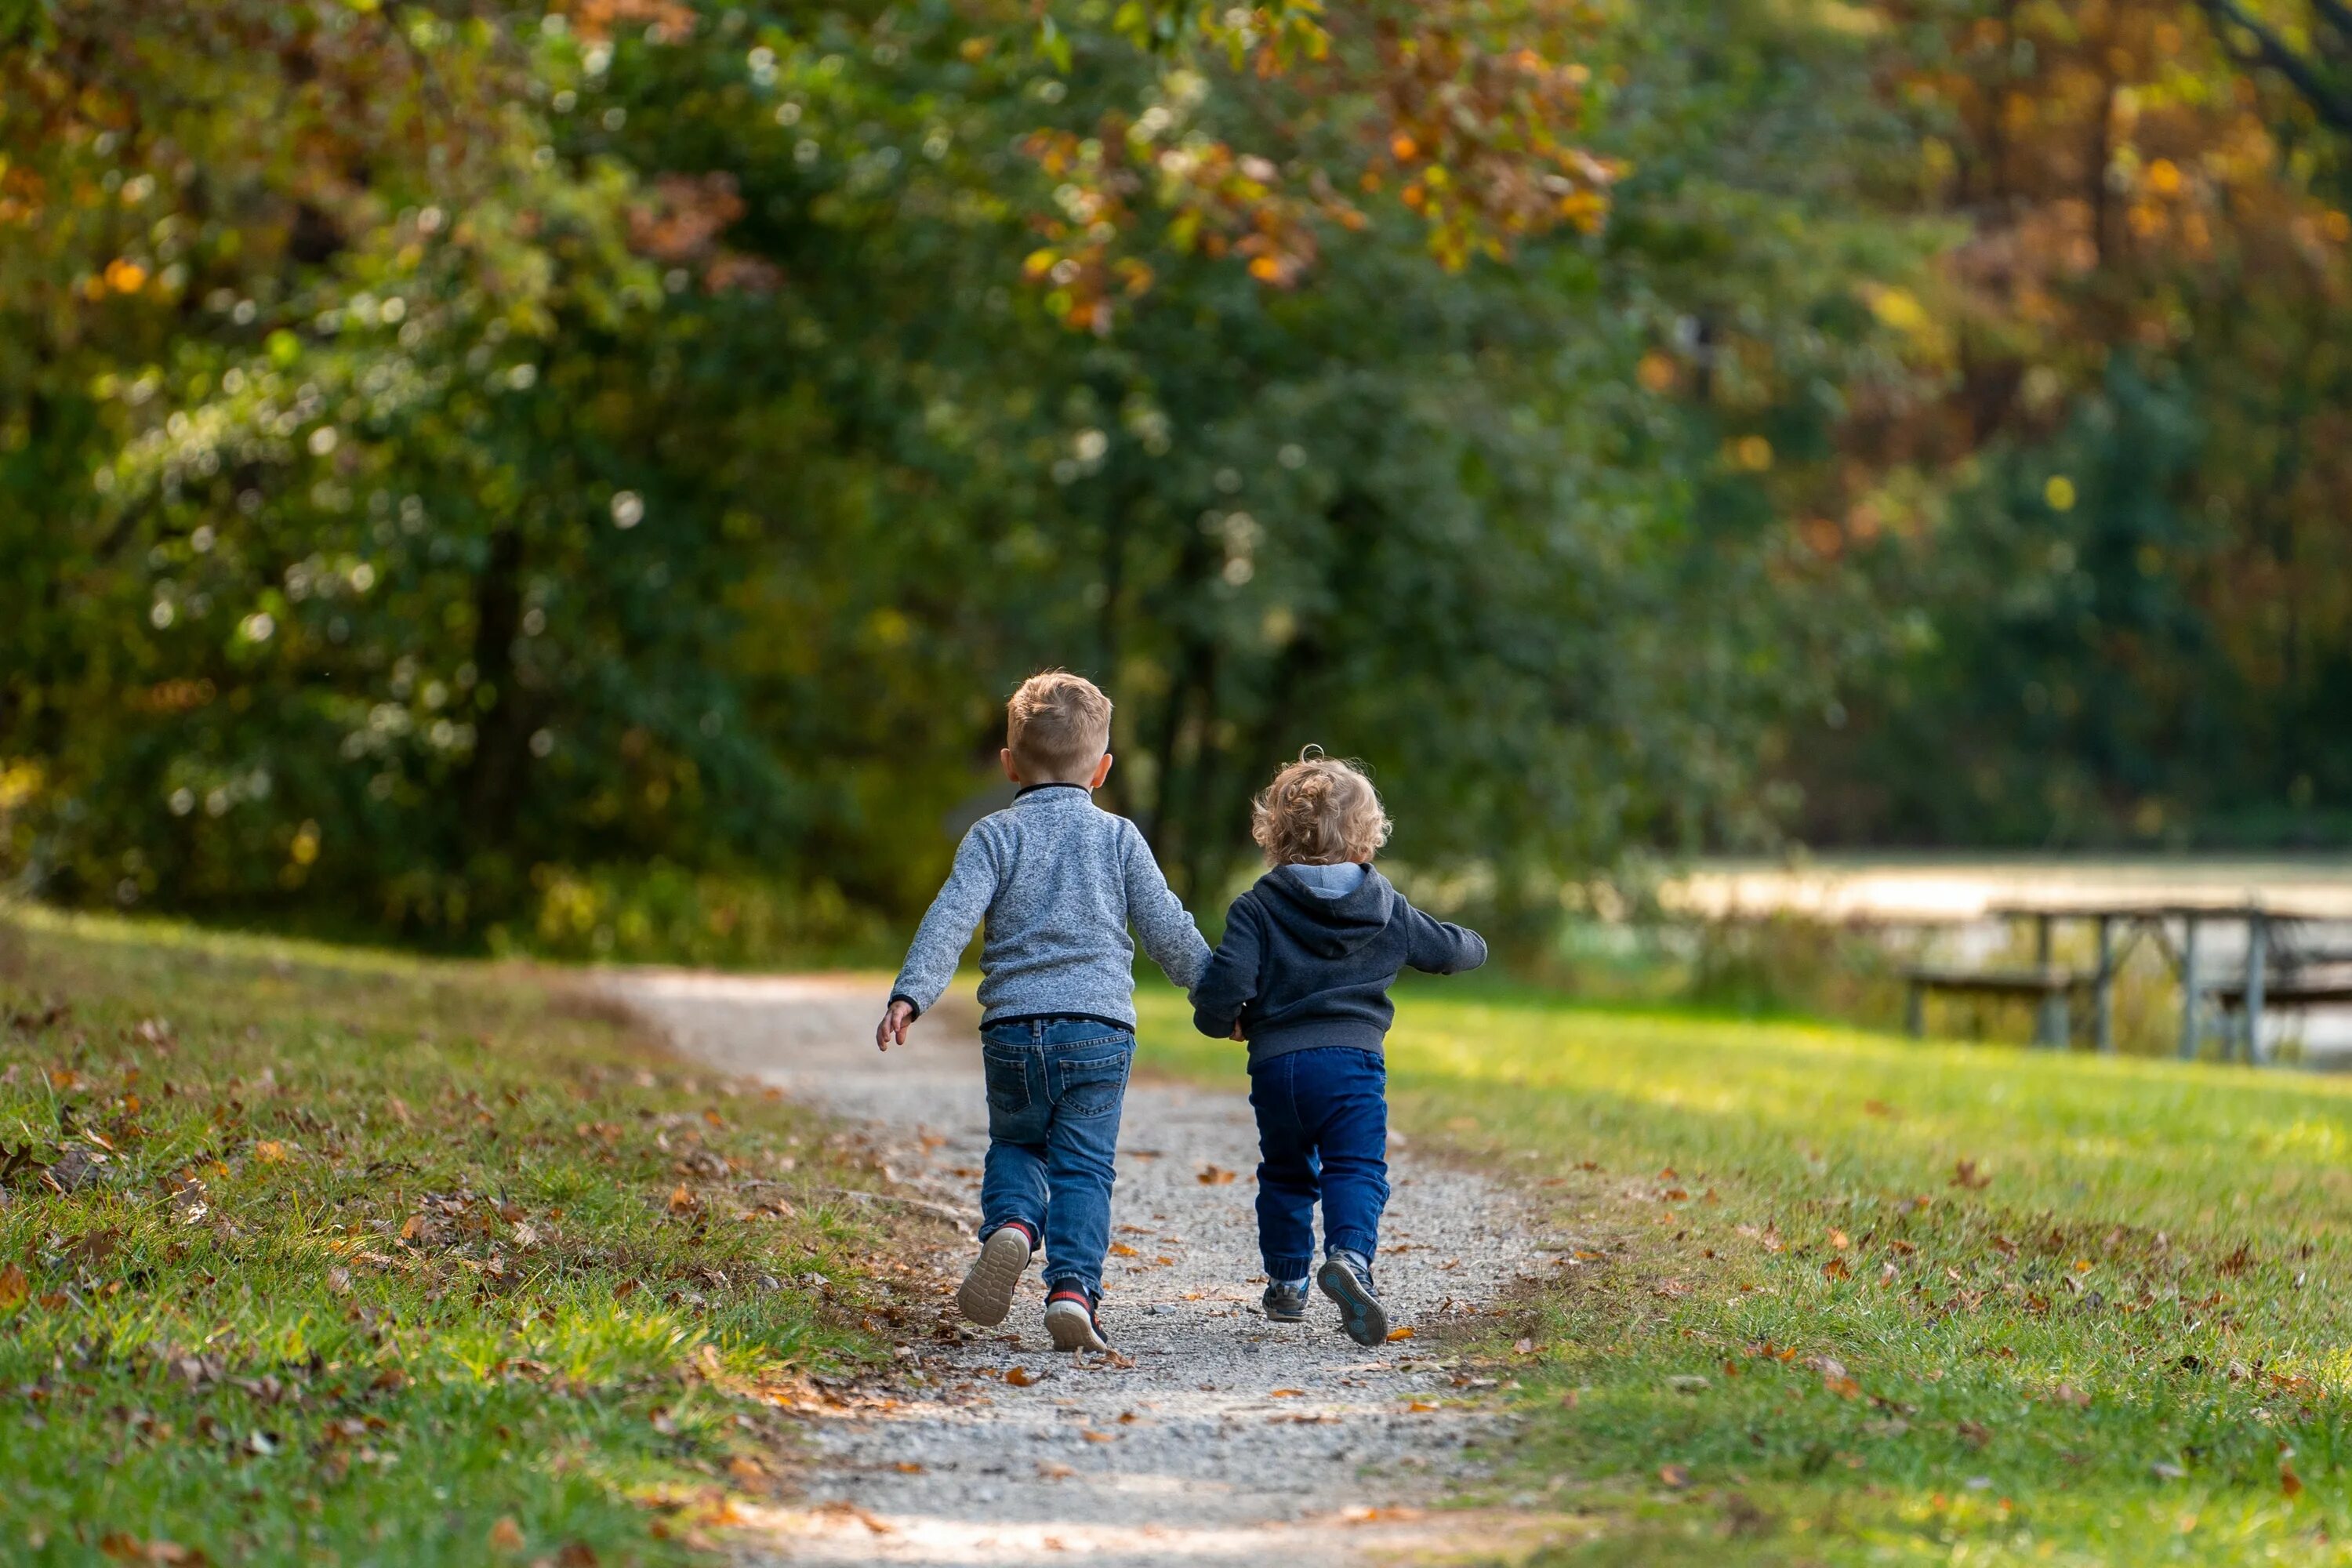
(1212, 1435)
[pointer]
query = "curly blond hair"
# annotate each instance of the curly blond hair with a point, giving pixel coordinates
(1319, 811)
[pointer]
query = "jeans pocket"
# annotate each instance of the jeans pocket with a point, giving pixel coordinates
(1093, 1086)
(1007, 1075)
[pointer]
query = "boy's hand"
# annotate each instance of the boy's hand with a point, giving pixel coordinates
(893, 1025)
(1237, 1034)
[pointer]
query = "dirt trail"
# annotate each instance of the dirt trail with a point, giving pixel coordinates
(1228, 1439)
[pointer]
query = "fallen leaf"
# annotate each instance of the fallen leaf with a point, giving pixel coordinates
(1838, 1240)
(14, 1287)
(1836, 1269)
(1964, 1175)
(1214, 1176)
(681, 1201)
(506, 1535)
(1121, 1250)
(1398, 1333)
(1675, 1476)
(1019, 1377)
(909, 1467)
(746, 1470)
(1049, 1471)
(1093, 1436)
(2068, 1394)
(338, 1281)
(269, 1152)
(1288, 1394)
(1420, 1406)
(576, 1554)
(2289, 1482)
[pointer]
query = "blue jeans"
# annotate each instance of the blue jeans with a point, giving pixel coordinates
(1055, 1089)
(1322, 1131)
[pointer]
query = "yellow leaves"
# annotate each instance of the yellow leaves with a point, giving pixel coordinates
(2164, 177)
(1752, 453)
(15, 1289)
(1121, 1250)
(2059, 492)
(124, 275)
(506, 1535)
(1019, 1377)
(1398, 1333)
(1213, 1175)
(682, 1201)
(1403, 148)
(270, 1151)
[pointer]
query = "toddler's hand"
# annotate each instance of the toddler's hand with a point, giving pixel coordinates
(1237, 1034)
(893, 1025)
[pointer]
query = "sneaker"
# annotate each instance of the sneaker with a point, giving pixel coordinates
(1286, 1301)
(987, 1292)
(1070, 1320)
(1347, 1279)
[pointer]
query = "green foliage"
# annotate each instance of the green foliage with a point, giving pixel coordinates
(312, 1252)
(455, 459)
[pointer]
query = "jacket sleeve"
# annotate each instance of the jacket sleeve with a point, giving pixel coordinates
(1230, 982)
(1436, 947)
(1168, 931)
(947, 925)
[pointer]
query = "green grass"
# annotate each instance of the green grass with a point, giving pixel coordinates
(362, 1259)
(1834, 1296)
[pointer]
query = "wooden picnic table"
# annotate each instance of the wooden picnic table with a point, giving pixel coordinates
(2307, 980)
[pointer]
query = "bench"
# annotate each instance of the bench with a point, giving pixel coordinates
(2050, 986)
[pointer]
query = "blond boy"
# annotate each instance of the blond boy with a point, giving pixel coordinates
(1057, 881)
(1303, 975)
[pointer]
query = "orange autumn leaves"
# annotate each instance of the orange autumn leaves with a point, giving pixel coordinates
(1475, 116)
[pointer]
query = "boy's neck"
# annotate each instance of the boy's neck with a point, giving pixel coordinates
(1054, 784)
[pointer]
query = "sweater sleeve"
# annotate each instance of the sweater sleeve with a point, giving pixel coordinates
(1437, 947)
(1230, 982)
(947, 924)
(1166, 927)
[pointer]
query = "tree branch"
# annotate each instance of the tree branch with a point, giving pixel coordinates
(2272, 50)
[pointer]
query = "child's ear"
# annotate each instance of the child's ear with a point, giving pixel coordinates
(1005, 756)
(1102, 772)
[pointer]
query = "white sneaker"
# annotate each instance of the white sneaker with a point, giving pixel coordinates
(1071, 1323)
(987, 1291)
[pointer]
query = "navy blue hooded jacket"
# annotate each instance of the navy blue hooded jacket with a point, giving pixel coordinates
(1308, 960)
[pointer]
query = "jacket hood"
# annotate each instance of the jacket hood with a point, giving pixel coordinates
(1328, 927)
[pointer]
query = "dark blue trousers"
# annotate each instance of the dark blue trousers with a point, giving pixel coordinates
(1322, 1132)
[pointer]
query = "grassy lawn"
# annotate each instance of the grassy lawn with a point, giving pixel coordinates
(1837, 1298)
(326, 1257)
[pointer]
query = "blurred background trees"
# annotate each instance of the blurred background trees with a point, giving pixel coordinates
(584, 476)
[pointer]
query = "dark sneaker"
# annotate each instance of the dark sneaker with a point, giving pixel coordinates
(1285, 1302)
(1070, 1320)
(987, 1292)
(1347, 1281)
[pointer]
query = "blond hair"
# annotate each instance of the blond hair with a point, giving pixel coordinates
(1057, 727)
(1319, 811)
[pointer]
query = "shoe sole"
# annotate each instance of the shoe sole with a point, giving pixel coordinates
(1360, 1314)
(1073, 1328)
(986, 1295)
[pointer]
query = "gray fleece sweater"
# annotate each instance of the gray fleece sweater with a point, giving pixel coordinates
(1057, 880)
